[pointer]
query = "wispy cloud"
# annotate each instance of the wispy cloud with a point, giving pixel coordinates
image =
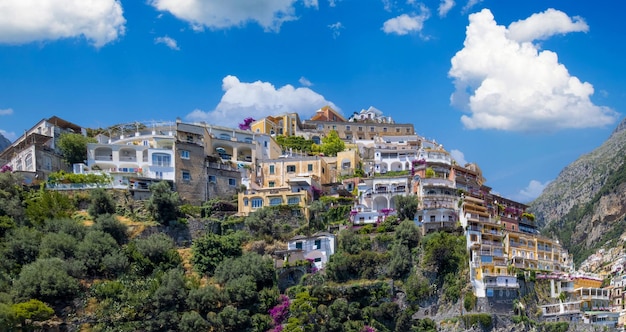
(167, 41)
(458, 156)
(259, 99)
(336, 29)
(506, 82)
(305, 82)
(10, 135)
(444, 7)
(100, 22)
(532, 191)
(6, 111)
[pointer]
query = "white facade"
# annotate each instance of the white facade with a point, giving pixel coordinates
(317, 248)
(147, 155)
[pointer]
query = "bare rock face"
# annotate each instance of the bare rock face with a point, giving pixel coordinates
(4, 142)
(588, 199)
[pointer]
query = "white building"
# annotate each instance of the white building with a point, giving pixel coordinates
(317, 248)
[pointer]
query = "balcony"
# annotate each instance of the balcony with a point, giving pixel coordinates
(501, 284)
(437, 182)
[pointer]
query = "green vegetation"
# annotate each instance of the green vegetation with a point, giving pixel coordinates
(565, 229)
(483, 320)
(163, 203)
(91, 178)
(74, 147)
(331, 144)
(80, 258)
(297, 143)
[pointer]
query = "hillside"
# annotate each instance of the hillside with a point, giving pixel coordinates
(4, 142)
(583, 207)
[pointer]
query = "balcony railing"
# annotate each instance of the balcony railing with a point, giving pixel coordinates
(437, 182)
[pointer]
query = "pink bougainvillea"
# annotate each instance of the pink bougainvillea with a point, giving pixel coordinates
(279, 313)
(245, 125)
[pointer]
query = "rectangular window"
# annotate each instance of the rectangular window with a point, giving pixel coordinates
(232, 182)
(408, 130)
(257, 202)
(385, 130)
(272, 184)
(184, 154)
(161, 159)
(186, 176)
(291, 168)
(318, 244)
(347, 128)
(397, 130)
(271, 169)
(309, 167)
(372, 129)
(190, 138)
(29, 162)
(317, 259)
(293, 200)
(299, 245)
(212, 179)
(360, 128)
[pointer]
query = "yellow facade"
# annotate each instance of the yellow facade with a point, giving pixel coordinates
(280, 172)
(285, 124)
(586, 282)
(264, 126)
(252, 200)
(529, 251)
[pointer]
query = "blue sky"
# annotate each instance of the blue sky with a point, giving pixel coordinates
(522, 88)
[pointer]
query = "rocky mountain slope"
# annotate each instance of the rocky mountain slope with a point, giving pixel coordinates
(4, 142)
(585, 206)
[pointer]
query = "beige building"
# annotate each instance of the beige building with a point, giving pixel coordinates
(36, 154)
(292, 180)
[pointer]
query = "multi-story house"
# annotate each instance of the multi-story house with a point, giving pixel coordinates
(292, 180)
(317, 248)
(287, 124)
(214, 161)
(36, 153)
(134, 161)
(433, 183)
(376, 198)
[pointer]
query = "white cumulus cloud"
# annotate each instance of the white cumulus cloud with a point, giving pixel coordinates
(532, 191)
(25, 21)
(444, 7)
(167, 41)
(257, 100)
(6, 111)
(510, 85)
(220, 14)
(544, 25)
(406, 23)
(458, 156)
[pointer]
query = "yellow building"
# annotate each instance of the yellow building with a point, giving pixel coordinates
(585, 281)
(286, 124)
(293, 180)
(535, 252)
